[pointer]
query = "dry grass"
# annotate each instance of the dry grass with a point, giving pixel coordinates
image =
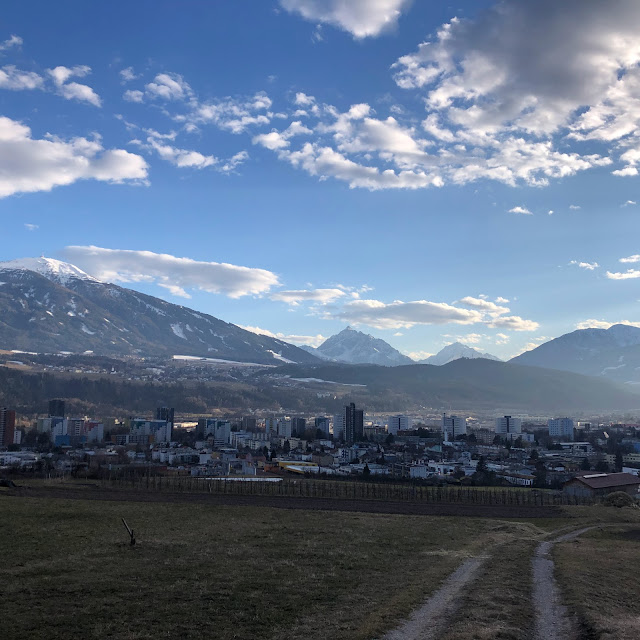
(222, 572)
(598, 575)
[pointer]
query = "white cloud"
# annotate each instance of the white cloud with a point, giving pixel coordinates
(631, 259)
(361, 18)
(522, 210)
(398, 314)
(295, 297)
(628, 203)
(28, 165)
(313, 341)
(132, 95)
(73, 90)
(178, 157)
(574, 207)
(128, 74)
(171, 272)
(629, 274)
(550, 212)
(471, 338)
(168, 86)
(303, 100)
(501, 300)
(502, 338)
(275, 140)
(31, 227)
(419, 355)
(513, 323)
(17, 80)
(589, 266)
(481, 304)
(13, 41)
(230, 114)
(230, 165)
(602, 324)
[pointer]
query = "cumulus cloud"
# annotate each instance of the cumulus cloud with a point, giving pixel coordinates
(73, 90)
(133, 95)
(31, 227)
(171, 272)
(399, 315)
(628, 203)
(182, 158)
(481, 304)
(502, 338)
(589, 266)
(275, 140)
(631, 259)
(513, 323)
(295, 297)
(602, 324)
(419, 355)
(17, 80)
(128, 74)
(13, 41)
(361, 18)
(28, 164)
(629, 274)
(168, 86)
(522, 210)
(574, 207)
(312, 341)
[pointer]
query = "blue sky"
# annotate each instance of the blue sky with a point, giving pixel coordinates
(299, 165)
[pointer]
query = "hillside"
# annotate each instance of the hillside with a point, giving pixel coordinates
(477, 384)
(48, 306)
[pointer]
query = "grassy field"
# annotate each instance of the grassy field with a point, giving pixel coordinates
(598, 575)
(223, 572)
(203, 570)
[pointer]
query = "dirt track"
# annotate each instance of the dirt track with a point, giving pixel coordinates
(286, 502)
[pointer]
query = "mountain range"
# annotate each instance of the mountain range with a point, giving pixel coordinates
(456, 351)
(612, 353)
(49, 306)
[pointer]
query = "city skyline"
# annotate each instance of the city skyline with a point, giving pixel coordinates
(297, 166)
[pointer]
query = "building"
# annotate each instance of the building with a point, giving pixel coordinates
(219, 430)
(7, 426)
(508, 427)
(338, 427)
(453, 426)
(298, 427)
(353, 423)
(149, 431)
(56, 408)
(560, 427)
(284, 428)
(166, 414)
(322, 423)
(593, 485)
(248, 423)
(398, 423)
(271, 426)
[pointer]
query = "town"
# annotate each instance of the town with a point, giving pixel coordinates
(581, 458)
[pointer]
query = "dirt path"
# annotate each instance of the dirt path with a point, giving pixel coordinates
(552, 618)
(428, 622)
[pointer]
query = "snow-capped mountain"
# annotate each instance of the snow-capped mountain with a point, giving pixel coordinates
(613, 353)
(355, 347)
(54, 270)
(456, 351)
(48, 306)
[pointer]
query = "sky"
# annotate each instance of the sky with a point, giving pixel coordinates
(425, 172)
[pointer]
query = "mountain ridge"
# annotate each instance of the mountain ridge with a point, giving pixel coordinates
(455, 351)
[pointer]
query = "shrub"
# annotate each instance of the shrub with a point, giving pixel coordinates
(619, 499)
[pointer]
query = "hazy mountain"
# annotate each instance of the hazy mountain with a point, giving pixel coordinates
(51, 306)
(613, 353)
(355, 347)
(456, 351)
(476, 384)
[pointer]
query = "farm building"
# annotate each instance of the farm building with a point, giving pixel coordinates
(592, 485)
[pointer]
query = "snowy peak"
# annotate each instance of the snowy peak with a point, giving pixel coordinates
(54, 270)
(354, 347)
(456, 351)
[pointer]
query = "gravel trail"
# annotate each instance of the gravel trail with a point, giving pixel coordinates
(552, 618)
(428, 622)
